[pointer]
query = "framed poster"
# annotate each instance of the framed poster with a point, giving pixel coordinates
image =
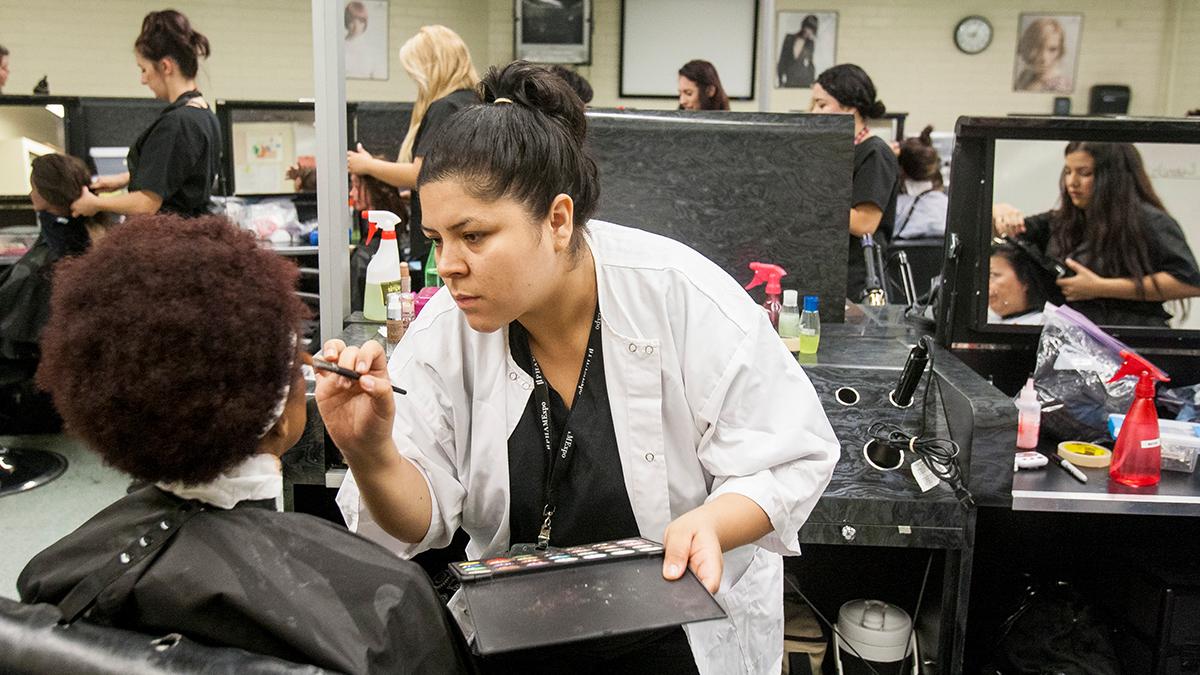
(659, 36)
(366, 39)
(806, 42)
(1047, 53)
(553, 31)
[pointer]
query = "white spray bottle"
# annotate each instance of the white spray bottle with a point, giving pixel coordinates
(384, 268)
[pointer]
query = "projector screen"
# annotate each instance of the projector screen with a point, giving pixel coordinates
(659, 36)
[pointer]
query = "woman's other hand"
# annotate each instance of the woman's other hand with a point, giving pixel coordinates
(1085, 285)
(691, 542)
(86, 206)
(359, 161)
(1007, 220)
(357, 413)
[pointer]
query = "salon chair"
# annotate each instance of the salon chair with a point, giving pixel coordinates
(31, 641)
(925, 256)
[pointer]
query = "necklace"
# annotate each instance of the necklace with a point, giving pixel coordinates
(862, 135)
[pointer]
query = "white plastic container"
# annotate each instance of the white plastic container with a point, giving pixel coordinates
(872, 631)
(1029, 417)
(789, 321)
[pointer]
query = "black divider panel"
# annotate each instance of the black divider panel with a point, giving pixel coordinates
(737, 187)
(116, 122)
(380, 126)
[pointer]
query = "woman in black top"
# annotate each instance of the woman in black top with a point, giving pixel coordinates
(846, 88)
(439, 62)
(1128, 255)
(173, 164)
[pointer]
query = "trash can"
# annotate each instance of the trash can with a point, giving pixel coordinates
(873, 631)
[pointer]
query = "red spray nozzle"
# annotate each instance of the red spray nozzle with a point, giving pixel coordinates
(1146, 372)
(769, 274)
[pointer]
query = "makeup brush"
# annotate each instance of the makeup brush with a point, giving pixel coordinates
(344, 372)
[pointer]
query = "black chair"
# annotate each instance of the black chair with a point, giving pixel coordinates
(925, 257)
(32, 641)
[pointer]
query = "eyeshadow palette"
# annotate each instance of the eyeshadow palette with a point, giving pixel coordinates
(473, 570)
(562, 596)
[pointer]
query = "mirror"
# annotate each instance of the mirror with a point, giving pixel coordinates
(27, 132)
(266, 144)
(1033, 177)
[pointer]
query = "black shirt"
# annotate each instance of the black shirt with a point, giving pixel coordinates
(1168, 250)
(439, 112)
(591, 505)
(591, 501)
(177, 157)
(876, 181)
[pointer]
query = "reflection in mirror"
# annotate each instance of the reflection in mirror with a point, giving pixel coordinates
(26, 132)
(274, 151)
(1107, 228)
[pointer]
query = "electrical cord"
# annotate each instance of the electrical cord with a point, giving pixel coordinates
(940, 455)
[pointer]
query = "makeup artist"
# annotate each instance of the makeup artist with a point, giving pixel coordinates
(173, 164)
(674, 412)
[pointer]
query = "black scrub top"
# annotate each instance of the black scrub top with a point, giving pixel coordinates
(1169, 252)
(439, 111)
(177, 157)
(592, 506)
(876, 181)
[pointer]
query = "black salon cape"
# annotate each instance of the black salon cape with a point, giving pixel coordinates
(177, 157)
(1169, 252)
(25, 286)
(287, 585)
(876, 181)
(435, 118)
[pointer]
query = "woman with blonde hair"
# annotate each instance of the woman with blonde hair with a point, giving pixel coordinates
(439, 62)
(1042, 48)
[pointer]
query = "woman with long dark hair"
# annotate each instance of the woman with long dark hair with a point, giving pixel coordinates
(847, 89)
(173, 164)
(700, 87)
(1127, 253)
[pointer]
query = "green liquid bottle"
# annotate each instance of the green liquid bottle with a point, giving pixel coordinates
(810, 326)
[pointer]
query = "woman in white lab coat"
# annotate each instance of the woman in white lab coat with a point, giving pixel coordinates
(685, 419)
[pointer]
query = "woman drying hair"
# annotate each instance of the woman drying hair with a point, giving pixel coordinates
(1127, 253)
(681, 417)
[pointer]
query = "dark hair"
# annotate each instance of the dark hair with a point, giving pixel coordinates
(1111, 223)
(579, 85)
(531, 150)
(704, 74)
(852, 88)
(809, 21)
(1037, 281)
(59, 179)
(168, 34)
(919, 160)
(169, 343)
(3, 51)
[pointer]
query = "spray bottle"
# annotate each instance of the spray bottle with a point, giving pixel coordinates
(384, 267)
(771, 275)
(1136, 458)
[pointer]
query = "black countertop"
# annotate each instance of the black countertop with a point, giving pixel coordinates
(887, 508)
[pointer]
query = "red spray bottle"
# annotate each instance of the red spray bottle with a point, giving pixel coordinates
(1136, 459)
(772, 276)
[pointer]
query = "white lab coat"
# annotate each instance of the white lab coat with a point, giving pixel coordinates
(705, 401)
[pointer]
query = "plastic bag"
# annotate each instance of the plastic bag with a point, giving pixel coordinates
(1075, 360)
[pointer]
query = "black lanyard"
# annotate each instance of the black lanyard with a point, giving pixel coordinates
(557, 463)
(912, 207)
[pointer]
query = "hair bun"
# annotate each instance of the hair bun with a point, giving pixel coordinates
(539, 89)
(926, 136)
(876, 110)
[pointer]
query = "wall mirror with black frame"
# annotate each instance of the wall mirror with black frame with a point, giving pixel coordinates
(1074, 210)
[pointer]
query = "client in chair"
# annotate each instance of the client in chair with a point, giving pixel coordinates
(171, 351)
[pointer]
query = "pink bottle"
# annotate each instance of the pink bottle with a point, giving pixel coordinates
(1137, 456)
(772, 276)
